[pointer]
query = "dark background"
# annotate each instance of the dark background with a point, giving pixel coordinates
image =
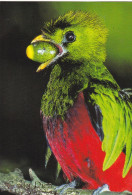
(22, 142)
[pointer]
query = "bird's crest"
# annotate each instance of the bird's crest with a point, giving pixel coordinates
(74, 18)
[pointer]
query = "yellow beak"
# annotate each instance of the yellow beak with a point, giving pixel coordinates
(40, 38)
(43, 66)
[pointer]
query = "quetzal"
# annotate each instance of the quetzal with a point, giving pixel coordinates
(86, 116)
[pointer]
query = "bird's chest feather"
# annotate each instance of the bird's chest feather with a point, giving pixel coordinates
(77, 147)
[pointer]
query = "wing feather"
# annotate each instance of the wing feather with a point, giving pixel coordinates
(116, 110)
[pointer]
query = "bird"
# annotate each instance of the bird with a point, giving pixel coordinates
(86, 116)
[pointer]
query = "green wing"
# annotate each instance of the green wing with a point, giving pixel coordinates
(116, 108)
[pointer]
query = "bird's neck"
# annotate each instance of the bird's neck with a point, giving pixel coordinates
(64, 86)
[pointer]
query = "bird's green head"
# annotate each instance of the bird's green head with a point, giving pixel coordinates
(75, 37)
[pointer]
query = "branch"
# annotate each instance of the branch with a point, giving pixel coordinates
(15, 183)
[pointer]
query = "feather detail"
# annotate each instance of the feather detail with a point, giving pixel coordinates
(116, 109)
(47, 155)
(58, 170)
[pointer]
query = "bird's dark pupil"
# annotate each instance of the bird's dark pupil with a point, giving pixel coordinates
(70, 36)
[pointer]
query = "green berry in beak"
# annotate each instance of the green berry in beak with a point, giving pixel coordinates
(41, 51)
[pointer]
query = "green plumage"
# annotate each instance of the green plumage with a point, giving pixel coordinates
(117, 124)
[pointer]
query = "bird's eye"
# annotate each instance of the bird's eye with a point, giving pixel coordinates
(69, 37)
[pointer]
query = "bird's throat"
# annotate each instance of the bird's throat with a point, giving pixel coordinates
(62, 90)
